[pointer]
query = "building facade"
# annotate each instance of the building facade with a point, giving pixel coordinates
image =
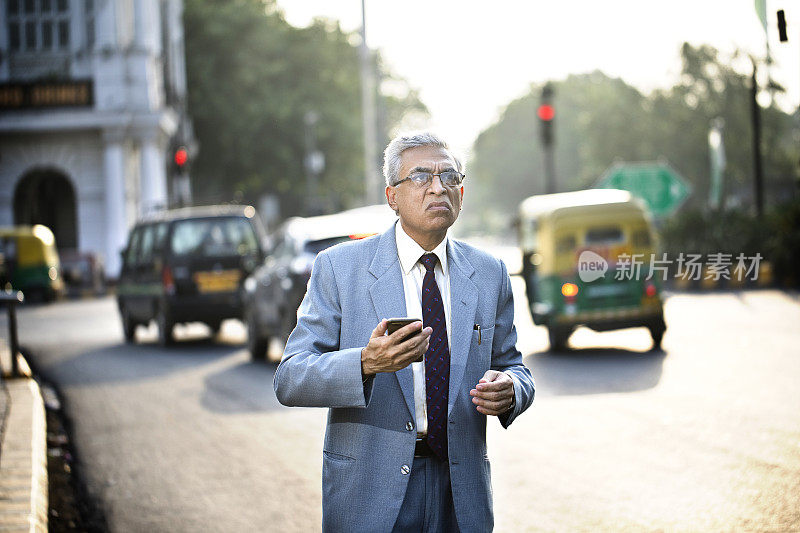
(92, 99)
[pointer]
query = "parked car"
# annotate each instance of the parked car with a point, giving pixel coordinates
(29, 262)
(556, 230)
(188, 265)
(274, 291)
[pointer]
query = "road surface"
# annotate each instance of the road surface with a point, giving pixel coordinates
(702, 436)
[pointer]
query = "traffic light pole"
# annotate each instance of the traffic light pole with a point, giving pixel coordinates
(546, 114)
(549, 169)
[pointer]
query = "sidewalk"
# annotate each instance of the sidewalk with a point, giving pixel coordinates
(23, 450)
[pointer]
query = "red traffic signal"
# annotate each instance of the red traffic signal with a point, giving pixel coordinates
(546, 112)
(181, 156)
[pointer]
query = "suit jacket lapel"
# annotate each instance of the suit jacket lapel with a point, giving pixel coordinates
(463, 304)
(388, 298)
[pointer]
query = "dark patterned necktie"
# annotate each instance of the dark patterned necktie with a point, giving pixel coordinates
(437, 360)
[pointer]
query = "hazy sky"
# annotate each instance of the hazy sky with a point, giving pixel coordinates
(470, 58)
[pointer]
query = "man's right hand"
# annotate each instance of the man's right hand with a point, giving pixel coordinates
(389, 353)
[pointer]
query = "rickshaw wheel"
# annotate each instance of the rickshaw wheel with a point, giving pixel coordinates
(558, 337)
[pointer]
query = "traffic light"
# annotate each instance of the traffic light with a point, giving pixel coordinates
(180, 161)
(546, 113)
(782, 26)
(181, 157)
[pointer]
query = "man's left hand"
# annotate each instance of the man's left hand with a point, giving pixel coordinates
(494, 393)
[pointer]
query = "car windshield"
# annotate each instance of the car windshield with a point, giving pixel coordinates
(213, 237)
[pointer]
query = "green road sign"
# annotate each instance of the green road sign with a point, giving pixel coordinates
(658, 184)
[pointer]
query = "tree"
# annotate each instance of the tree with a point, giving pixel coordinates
(252, 78)
(600, 120)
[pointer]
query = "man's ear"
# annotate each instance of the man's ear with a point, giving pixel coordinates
(390, 198)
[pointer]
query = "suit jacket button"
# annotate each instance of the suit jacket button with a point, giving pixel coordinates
(405, 470)
(409, 426)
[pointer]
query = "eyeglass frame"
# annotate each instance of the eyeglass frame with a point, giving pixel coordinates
(432, 174)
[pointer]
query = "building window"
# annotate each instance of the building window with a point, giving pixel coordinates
(38, 25)
(63, 34)
(88, 16)
(30, 35)
(13, 33)
(47, 35)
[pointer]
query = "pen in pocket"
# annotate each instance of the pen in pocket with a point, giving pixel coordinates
(478, 329)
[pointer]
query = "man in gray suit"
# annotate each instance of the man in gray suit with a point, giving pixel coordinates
(405, 446)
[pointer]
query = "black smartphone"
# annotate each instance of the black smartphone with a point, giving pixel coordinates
(396, 323)
(393, 324)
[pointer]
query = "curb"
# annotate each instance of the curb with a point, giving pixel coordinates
(23, 455)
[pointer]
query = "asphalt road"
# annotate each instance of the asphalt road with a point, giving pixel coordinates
(703, 436)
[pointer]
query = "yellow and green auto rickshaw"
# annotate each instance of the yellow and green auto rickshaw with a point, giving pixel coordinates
(29, 261)
(580, 252)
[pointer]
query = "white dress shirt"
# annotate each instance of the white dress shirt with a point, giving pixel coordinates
(413, 274)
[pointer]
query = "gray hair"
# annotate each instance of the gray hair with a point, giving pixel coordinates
(401, 143)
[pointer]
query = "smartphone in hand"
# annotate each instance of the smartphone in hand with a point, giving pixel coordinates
(393, 324)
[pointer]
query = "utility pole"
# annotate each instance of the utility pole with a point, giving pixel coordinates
(371, 178)
(314, 164)
(716, 150)
(755, 119)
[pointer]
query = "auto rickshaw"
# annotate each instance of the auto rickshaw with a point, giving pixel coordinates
(579, 255)
(29, 262)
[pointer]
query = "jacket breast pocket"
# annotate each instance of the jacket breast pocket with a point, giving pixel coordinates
(482, 342)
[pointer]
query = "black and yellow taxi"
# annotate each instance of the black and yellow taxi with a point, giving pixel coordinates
(188, 265)
(578, 251)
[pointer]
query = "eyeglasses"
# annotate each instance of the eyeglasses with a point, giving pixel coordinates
(449, 178)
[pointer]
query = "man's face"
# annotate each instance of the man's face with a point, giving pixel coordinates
(425, 212)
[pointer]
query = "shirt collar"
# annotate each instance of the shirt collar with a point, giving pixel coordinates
(409, 251)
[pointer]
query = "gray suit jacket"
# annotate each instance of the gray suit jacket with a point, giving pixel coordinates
(371, 425)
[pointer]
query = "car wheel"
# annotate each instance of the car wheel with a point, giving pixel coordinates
(165, 325)
(214, 327)
(558, 338)
(257, 344)
(657, 333)
(128, 325)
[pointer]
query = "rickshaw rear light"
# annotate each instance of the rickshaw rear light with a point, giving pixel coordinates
(650, 290)
(569, 290)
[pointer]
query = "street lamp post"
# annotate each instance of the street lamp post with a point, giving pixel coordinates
(368, 115)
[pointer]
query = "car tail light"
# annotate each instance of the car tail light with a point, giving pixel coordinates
(650, 289)
(569, 291)
(356, 236)
(167, 280)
